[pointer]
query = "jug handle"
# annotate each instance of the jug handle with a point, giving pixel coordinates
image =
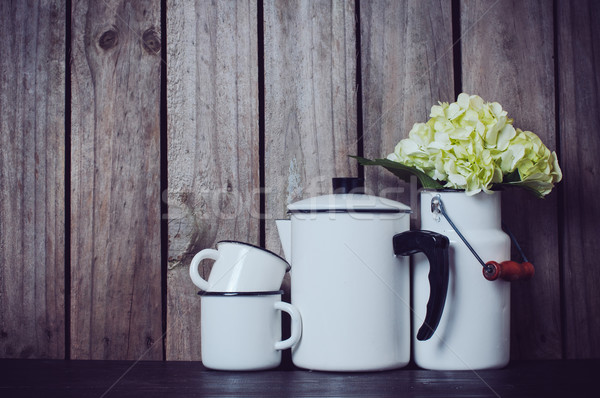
(435, 247)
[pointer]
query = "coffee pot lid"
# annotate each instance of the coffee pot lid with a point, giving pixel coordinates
(348, 196)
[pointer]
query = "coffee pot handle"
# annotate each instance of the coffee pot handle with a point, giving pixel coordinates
(435, 247)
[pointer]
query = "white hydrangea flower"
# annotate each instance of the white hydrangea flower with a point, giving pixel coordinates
(471, 144)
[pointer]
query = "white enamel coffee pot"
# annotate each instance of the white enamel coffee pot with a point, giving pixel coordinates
(350, 279)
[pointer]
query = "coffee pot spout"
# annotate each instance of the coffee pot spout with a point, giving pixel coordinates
(284, 227)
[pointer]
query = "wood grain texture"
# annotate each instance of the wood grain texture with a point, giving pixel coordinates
(150, 379)
(508, 59)
(32, 168)
(406, 68)
(310, 116)
(310, 102)
(579, 65)
(213, 148)
(115, 180)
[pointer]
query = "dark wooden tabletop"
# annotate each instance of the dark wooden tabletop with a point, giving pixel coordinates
(56, 378)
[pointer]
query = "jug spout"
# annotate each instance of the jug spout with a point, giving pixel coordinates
(284, 227)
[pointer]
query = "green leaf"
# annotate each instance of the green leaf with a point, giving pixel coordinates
(520, 184)
(512, 177)
(513, 180)
(401, 171)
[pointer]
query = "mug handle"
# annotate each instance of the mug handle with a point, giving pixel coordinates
(194, 274)
(296, 325)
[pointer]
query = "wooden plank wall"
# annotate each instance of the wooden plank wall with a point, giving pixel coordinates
(515, 67)
(32, 184)
(578, 98)
(213, 147)
(407, 66)
(310, 102)
(262, 102)
(115, 181)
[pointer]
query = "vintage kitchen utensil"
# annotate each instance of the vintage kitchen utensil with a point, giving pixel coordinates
(474, 330)
(352, 291)
(242, 330)
(239, 267)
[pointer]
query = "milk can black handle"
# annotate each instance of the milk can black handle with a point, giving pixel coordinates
(435, 247)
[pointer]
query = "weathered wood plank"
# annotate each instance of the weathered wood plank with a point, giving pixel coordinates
(32, 168)
(578, 67)
(55, 378)
(213, 148)
(115, 192)
(310, 102)
(406, 68)
(508, 59)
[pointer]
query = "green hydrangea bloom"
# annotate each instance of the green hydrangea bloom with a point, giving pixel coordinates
(472, 145)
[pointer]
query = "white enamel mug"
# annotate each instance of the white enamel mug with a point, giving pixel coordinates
(242, 331)
(239, 267)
